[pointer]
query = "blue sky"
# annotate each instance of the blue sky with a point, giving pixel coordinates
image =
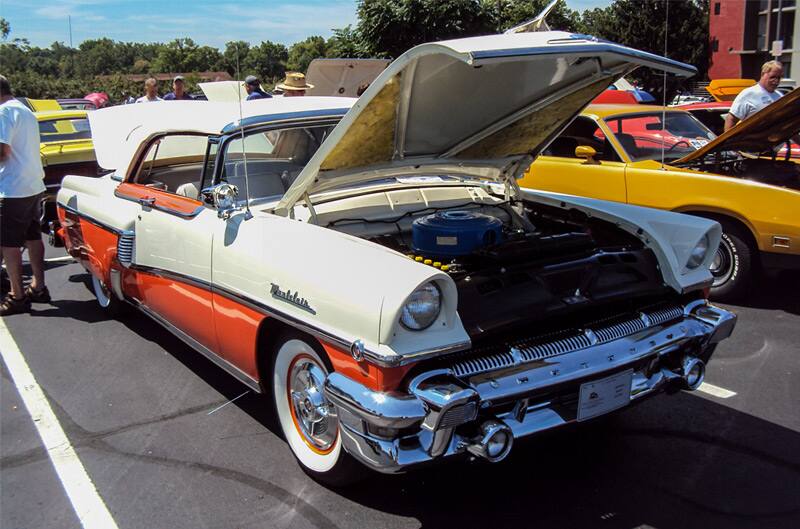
(208, 22)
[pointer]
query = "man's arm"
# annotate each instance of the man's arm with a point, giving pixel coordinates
(5, 151)
(730, 121)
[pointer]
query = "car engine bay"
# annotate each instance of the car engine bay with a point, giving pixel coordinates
(515, 262)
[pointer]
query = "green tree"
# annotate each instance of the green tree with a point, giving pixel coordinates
(5, 28)
(346, 43)
(641, 25)
(267, 61)
(235, 56)
(302, 53)
(96, 57)
(506, 14)
(390, 27)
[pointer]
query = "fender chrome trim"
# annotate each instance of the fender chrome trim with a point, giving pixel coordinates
(90, 219)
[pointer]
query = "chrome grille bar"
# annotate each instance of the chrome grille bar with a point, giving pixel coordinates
(539, 348)
(125, 248)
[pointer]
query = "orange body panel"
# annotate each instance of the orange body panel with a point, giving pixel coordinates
(187, 307)
(224, 326)
(237, 331)
(372, 376)
(94, 246)
(178, 204)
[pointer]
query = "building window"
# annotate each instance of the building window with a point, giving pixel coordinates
(715, 45)
(716, 8)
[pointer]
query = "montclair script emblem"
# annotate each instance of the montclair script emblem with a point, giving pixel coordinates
(291, 297)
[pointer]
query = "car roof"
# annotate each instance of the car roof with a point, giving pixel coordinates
(604, 111)
(47, 115)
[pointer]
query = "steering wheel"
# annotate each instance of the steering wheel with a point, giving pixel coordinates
(678, 143)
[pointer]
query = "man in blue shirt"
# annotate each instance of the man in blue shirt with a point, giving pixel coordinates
(178, 90)
(253, 88)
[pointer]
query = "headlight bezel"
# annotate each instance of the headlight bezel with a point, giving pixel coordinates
(696, 259)
(405, 313)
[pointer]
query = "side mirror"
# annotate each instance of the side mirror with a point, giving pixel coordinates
(221, 197)
(587, 153)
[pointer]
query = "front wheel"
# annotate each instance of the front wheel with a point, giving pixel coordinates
(732, 266)
(307, 419)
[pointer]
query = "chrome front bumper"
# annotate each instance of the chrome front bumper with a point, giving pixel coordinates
(523, 389)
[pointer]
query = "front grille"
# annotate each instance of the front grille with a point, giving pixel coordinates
(539, 348)
(125, 248)
(620, 330)
(459, 415)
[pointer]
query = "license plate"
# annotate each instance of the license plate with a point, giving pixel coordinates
(602, 396)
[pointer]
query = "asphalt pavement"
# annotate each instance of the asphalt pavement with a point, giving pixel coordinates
(146, 416)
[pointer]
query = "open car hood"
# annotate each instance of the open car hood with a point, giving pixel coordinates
(489, 103)
(759, 133)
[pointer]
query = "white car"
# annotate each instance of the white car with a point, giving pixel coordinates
(373, 265)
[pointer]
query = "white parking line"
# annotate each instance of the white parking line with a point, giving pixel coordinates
(89, 506)
(59, 259)
(716, 391)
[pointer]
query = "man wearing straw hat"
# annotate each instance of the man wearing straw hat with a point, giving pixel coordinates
(294, 85)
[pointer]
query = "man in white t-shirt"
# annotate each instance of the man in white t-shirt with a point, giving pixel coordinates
(21, 192)
(150, 92)
(752, 99)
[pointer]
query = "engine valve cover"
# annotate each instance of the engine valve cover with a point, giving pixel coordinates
(455, 233)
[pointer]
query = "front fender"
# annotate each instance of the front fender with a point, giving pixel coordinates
(671, 236)
(344, 286)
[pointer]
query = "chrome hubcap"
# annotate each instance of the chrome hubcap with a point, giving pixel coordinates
(722, 265)
(315, 417)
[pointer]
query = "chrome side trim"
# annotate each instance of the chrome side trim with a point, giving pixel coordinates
(168, 274)
(237, 373)
(92, 220)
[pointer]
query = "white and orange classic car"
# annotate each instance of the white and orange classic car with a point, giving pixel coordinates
(373, 266)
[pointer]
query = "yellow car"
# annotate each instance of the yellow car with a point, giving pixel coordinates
(66, 148)
(742, 179)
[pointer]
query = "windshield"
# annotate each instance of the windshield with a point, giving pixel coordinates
(64, 129)
(644, 136)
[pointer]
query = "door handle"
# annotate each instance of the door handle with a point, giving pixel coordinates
(147, 201)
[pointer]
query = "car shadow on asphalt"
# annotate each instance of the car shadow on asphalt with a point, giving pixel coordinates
(775, 291)
(670, 463)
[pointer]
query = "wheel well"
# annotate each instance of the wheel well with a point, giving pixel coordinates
(270, 334)
(728, 220)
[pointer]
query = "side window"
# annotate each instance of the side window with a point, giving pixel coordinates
(582, 131)
(174, 164)
(270, 159)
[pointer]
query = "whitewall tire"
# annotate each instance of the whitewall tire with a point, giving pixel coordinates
(307, 419)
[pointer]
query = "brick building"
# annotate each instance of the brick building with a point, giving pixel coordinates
(741, 34)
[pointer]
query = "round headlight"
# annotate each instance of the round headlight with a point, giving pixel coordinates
(422, 307)
(698, 254)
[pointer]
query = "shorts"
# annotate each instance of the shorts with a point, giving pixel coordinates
(20, 220)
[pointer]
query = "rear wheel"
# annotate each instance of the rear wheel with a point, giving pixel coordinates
(107, 301)
(307, 419)
(732, 266)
